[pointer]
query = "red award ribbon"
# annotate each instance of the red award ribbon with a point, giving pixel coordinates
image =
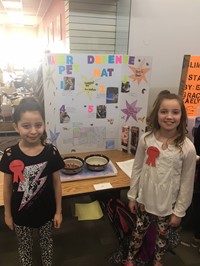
(153, 153)
(17, 167)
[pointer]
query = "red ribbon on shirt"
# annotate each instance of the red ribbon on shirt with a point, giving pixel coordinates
(17, 167)
(153, 153)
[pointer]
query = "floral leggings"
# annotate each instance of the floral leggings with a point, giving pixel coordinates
(144, 219)
(25, 244)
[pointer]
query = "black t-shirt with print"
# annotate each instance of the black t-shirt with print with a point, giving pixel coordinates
(33, 199)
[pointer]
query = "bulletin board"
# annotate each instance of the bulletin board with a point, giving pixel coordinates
(89, 99)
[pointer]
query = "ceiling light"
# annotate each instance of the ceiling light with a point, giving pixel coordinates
(10, 4)
(16, 17)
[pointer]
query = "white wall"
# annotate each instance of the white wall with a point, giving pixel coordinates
(122, 26)
(165, 30)
(91, 26)
(98, 27)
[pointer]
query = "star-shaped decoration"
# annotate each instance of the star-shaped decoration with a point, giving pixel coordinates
(89, 86)
(53, 136)
(139, 72)
(131, 110)
(49, 77)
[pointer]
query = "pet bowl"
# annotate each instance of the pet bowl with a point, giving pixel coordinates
(96, 162)
(73, 165)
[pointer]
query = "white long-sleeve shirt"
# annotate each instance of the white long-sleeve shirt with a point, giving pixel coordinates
(163, 184)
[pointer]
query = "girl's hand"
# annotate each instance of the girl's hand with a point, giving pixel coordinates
(132, 206)
(57, 220)
(174, 220)
(9, 221)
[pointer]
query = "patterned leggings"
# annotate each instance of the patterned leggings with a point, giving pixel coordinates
(144, 219)
(25, 243)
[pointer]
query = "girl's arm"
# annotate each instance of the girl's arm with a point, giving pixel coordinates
(7, 194)
(58, 198)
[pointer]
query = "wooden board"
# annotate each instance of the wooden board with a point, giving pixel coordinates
(87, 174)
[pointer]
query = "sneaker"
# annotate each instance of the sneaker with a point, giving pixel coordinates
(128, 263)
(195, 243)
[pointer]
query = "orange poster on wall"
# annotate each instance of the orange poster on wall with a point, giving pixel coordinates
(190, 84)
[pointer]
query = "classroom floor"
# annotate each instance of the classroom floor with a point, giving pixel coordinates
(85, 243)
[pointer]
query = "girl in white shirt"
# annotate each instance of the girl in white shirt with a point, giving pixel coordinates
(162, 176)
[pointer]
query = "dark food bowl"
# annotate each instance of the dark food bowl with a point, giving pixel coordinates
(73, 165)
(96, 162)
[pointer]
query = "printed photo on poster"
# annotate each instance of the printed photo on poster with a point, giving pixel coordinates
(134, 139)
(69, 83)
(101, 111)
(112, 95)
(125, 138)
(64, 117)
(125, 87)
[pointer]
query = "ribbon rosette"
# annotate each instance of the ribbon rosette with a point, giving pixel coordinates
(153, 153)
(17, 167)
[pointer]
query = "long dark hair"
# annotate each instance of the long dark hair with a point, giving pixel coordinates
(29, 104)
(152, 120)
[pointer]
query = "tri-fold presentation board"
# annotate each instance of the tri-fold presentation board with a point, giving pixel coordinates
(91, 99)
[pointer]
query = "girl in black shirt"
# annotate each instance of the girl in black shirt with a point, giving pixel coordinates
(32, 187)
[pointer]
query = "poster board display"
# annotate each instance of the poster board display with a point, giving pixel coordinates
(190, 90)
(89, 98)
